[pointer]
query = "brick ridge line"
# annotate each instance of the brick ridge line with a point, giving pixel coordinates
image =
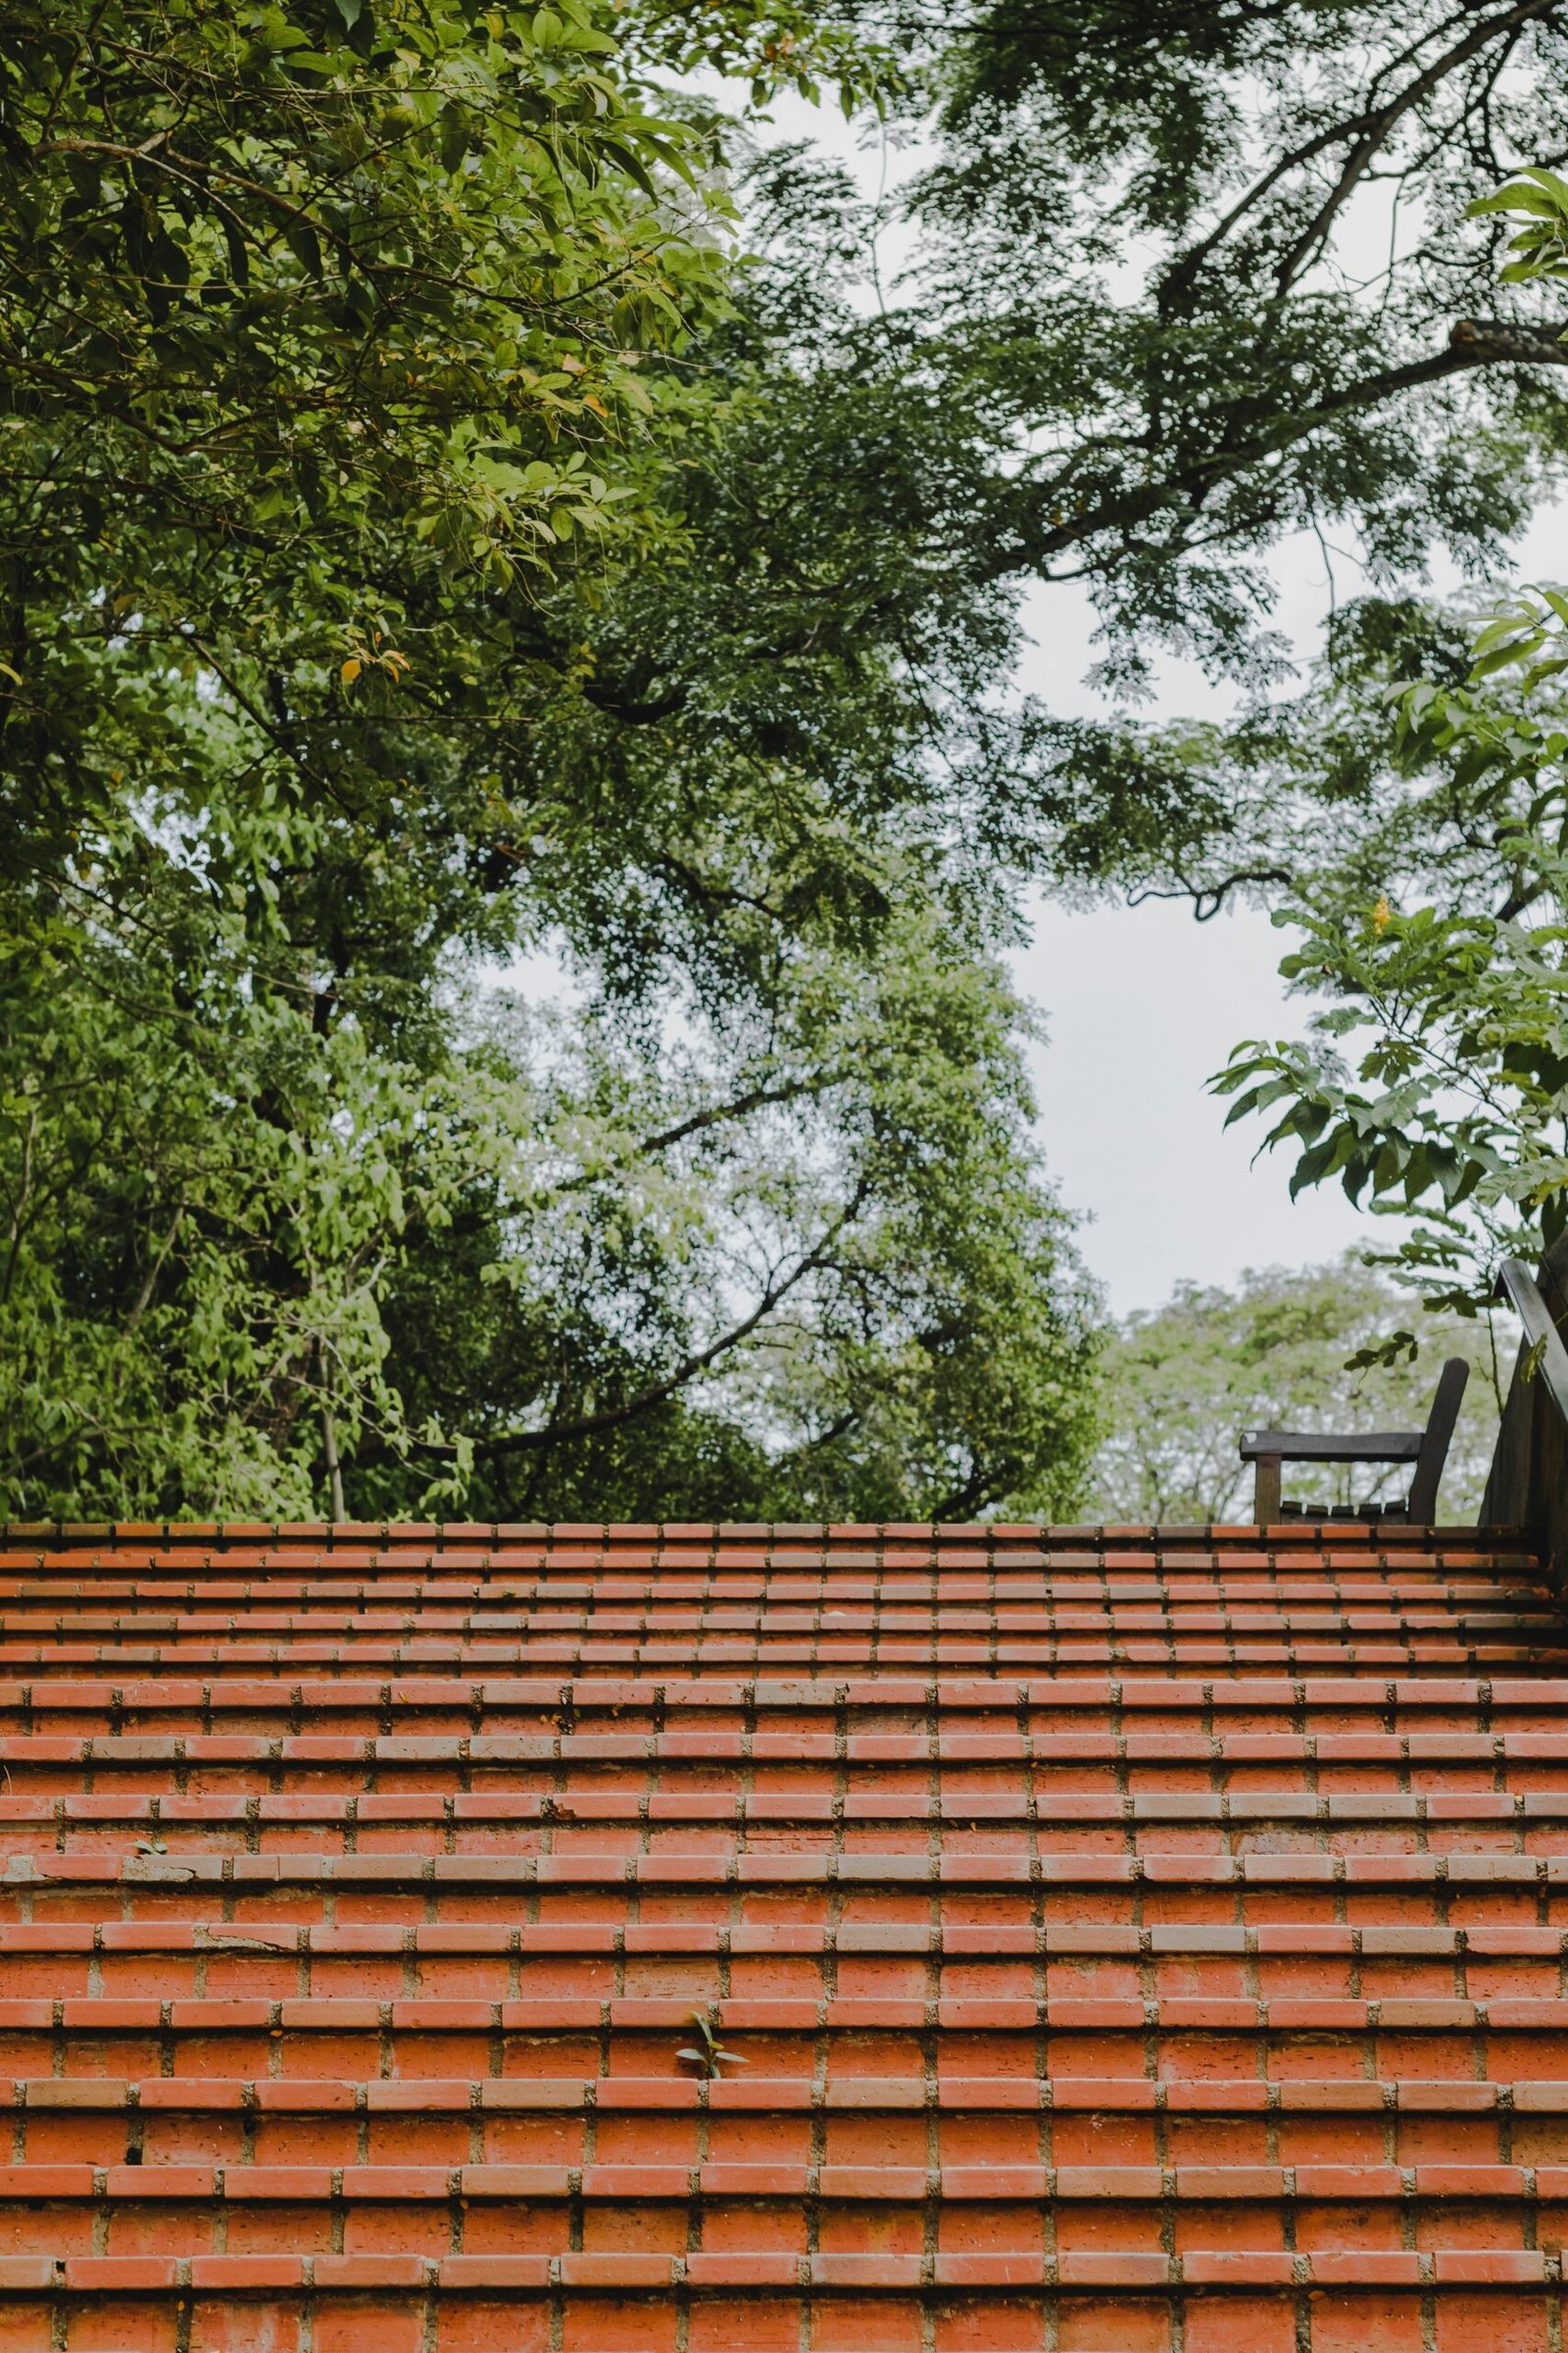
(810, 2012)
(1242, 2270)
(471, 1535)
(402, 2183)
(1158, 1867)
(1047, 1940)
(1388, 2095)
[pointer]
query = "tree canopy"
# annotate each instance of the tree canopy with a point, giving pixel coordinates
(465, 507)
(352, 405)
(1450, 790)
(1166, 243)
(1195, 277)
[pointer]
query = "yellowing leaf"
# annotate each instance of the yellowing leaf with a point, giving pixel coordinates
(349, 671)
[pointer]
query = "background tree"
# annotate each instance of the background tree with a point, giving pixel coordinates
(1190, 278)
(1450, 1105)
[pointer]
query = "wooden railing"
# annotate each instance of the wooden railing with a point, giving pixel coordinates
(1528, 1485)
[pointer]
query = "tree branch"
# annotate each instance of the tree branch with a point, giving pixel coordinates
(1373, 124)
(587, 1425)
(758, 1100)
(1208, 898)
(1472, 343)
(1378, 126)
(144, 1297)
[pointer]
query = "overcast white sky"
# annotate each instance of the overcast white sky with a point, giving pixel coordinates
(1142, 1004)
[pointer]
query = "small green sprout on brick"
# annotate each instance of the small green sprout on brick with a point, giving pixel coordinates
(708, 2055)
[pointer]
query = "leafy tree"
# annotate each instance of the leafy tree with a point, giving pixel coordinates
(799, 1259)
(484, 561)
(322, 325)
(1182, 1383)
(290, 296)
(836, 1288)
(330, 712)
(1454, 1103)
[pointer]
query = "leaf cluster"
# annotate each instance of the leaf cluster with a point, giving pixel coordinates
(354, 644)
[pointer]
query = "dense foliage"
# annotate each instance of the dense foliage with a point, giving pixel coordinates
(1435, 1080)
(430, 551)
(1279, 1351)
(1195, 277)
(342, 371)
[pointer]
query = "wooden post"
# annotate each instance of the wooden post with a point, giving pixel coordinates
(334, 1468)
(1266, 1505)
(1423, 1505)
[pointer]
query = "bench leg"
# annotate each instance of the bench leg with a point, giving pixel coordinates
(1266, 1503)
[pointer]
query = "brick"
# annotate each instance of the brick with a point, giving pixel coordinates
(108, 2276)
(349, 2328)
(1501, 2324)
(1240, 2324)
(232, 2275)
(474, 2326)
(341, 2273)
(103, 2326)
(616, 2270)
(25, 2328)
(1082, 2268)
(1350, 2323)
(476, 2274)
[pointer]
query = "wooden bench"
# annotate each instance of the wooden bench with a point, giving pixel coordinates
(1427, 1449)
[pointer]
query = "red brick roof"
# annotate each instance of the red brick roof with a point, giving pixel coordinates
(1152, 1941)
